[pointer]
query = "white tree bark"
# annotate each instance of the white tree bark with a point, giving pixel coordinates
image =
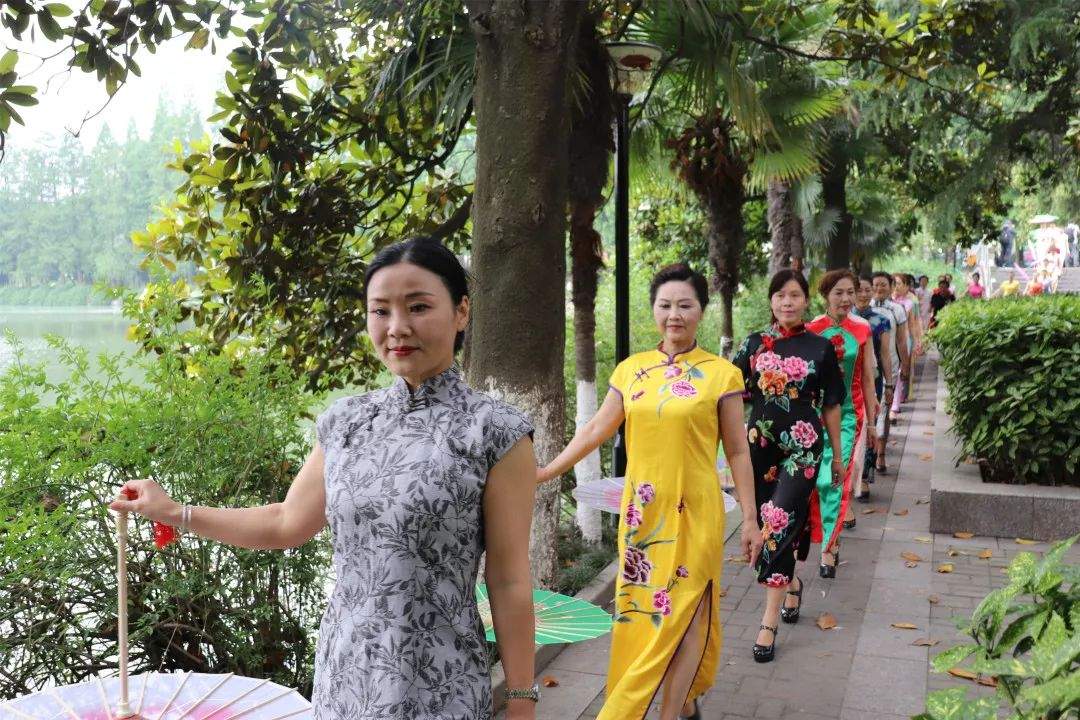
(588, 519)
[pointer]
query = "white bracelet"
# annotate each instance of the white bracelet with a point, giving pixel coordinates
(185, 518)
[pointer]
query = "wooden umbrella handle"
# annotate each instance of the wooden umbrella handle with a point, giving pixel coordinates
(123, 710)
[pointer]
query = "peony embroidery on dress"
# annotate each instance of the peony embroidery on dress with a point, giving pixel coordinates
(637, 568)
(680, 377)
(775, 522)
(780, 378)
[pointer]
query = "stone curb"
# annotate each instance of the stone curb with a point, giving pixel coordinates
(600, 591)
(961, 502)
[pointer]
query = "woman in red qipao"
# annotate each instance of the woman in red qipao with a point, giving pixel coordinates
(850, 337)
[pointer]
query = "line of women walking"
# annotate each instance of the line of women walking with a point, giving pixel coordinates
(417, 480)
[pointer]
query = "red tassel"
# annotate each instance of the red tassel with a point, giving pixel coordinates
(163, 534)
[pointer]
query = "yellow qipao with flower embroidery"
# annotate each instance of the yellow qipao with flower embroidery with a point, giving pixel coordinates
(671, 530)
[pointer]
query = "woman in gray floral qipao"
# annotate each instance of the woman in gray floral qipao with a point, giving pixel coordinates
(415, 481)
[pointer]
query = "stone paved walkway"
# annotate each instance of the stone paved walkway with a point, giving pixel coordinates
(863, 668)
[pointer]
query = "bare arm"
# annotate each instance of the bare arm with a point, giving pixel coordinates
(886, 356)
(276, 526)
(508, 505)
(901, 346)
(870, 403)
(737, 452)
(589, 436)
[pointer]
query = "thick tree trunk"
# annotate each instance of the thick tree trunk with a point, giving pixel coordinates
(726, 237)
(524, 53)
(591, 146)
(785, 229)
(585, 256)
(834, 194)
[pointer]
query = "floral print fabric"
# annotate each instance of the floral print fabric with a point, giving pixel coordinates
(671, 529)
(790, 376)
(405, 474)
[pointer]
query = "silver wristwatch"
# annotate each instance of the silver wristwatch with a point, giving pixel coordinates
(532, 693)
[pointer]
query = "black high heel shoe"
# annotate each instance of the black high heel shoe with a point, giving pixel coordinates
(791, 615)
(696, 715)
(765, 653)
(829, 571)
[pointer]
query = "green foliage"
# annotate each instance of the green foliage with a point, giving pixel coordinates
(1025, 635)
(1013, 371)
(213, 429)
(52, 295)
(67, 211)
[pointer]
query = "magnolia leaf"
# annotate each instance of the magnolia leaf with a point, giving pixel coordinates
(986, 554)
(945, 568)
(826, 621)
(963, 535)
(905, 626)
(908, 555)
(925, 642)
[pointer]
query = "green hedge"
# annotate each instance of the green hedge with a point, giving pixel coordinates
(1013, 371)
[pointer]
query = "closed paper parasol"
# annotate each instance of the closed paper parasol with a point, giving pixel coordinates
(606, 493)
(164, 696)
(559, 618)
(157, 696)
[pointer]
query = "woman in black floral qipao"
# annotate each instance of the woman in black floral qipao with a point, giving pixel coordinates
(792, 379)
(415, 481)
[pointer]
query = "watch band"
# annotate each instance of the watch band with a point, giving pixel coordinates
(532, 693)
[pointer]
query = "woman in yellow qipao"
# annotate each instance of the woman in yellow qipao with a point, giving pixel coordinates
(680, 403)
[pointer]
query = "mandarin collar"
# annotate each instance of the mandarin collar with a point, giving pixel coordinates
(671, 358)
(782, 332)
(438, 388)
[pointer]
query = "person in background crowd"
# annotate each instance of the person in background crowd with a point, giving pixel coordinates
(1009, 288)
(898, 356)
(881, 332)
(942, 296)
(975, 290)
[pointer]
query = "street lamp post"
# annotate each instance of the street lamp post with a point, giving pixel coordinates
(633, 68)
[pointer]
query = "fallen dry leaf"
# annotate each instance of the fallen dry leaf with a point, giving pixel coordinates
(723, 592)
(901, 513)
(961, 673)
(824, 655)
(986, 554)
(894, 443)
(923, 501)
(933, 599)
(927, 432)
(905, 626)
(925, 642)
(945, 568)
(826, 621)
(908, 555)
(735, 559)
(963, 535)
(1025, 541)
(952, 552)
(970, 461)
(871, 511)
(924, 539)
(549, 681)
(987, 681)
(911, 564)
(926, 456)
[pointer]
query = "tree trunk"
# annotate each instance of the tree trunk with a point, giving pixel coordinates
(591, 146)
(834, 194)
(585, 244)
(785, 229)
(524, 53)
(726, 237)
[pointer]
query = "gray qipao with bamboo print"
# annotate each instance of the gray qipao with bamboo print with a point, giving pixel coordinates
(405, 475)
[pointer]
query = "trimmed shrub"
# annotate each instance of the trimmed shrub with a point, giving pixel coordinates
(1013, 371)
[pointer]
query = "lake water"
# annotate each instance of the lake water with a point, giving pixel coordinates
(96, 329)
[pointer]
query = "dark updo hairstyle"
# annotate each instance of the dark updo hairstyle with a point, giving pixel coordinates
(680, 272)
(829, 280)
(782, 278)
(430, 254)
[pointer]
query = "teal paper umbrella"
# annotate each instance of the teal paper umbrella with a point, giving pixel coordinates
(559, 618)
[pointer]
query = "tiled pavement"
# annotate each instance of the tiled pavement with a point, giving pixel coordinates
(863, 668)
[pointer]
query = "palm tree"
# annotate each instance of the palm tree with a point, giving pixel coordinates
(736, 115)
(591, 147)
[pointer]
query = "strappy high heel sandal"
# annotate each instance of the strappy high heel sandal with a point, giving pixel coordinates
(765, 653)
(791, 615)
(829, 571)
(695, 716)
